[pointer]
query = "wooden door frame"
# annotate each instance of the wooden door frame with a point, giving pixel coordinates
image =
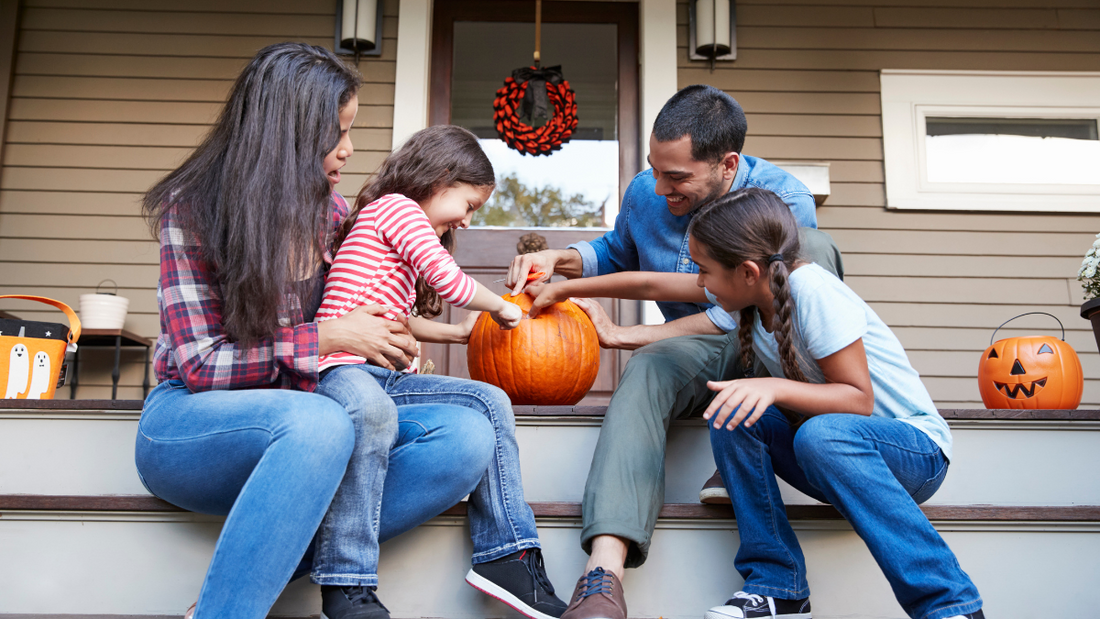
(623, 14)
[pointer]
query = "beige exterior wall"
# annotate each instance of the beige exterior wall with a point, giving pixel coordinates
(105, 100)
(807, 75)
(108, 97)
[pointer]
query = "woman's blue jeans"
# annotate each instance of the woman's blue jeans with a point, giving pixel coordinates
(271, 460)
(875, 471)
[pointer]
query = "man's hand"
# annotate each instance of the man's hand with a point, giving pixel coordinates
(607, 330)
(365, 331)
(565, 262)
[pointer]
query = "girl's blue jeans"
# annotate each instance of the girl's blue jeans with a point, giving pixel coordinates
(271, 461)
(501, 521)
(875, 471)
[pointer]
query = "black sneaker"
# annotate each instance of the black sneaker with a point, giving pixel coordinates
(351, 603)
(978, 614)
(519, 580)
(749, 605)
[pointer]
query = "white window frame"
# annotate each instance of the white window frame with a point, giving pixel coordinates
(908, 97)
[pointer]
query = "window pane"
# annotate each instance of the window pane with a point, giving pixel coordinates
(570, 187)
(1012, 151)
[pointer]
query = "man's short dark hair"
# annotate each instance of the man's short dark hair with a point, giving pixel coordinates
(713, 119)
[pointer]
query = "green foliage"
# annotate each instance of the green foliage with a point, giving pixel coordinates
(517, 205)
(1089, 273)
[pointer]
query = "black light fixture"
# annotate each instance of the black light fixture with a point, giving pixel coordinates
(358, 28)
(712, 30)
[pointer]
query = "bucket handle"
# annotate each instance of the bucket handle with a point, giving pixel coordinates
(1028, 314)
(115, 293)
(74, 320)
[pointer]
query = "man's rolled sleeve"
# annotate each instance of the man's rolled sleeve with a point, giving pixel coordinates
(720, 317)
(590, 262)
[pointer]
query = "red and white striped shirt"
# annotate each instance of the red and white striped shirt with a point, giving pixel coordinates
(391, 243)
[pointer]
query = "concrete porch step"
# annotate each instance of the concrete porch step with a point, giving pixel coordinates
(1001, 457)
(1021, 508)
(140, 557)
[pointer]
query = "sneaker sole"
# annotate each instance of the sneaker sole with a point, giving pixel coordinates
(714, 496)
(491, 589)
(714, 613)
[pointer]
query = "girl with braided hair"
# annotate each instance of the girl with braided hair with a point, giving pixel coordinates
(843, 416)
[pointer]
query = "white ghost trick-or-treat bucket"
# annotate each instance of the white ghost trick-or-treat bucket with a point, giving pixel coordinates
(32, 353)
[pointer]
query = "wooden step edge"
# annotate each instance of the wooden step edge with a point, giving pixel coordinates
(549, 509)
(974, 414)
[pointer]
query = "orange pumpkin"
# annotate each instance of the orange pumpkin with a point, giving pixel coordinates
(1036, 371)
(551, 359)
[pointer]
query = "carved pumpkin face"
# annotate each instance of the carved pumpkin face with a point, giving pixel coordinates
(1036, 372)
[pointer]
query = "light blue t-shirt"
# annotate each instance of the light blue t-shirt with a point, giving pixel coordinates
(829, 317)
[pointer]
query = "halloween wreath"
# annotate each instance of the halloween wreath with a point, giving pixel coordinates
(528, 94)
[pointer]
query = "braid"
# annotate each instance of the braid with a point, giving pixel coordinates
(754, 225)
(744, 335)
(781, 326)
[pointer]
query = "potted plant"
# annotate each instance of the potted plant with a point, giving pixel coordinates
(1089, 276)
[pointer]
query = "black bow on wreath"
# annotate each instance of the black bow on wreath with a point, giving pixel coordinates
(535, 102)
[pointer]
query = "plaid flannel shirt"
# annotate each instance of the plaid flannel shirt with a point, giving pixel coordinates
(193, 346)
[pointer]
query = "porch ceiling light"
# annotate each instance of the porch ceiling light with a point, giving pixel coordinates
(712, 32)
(359, 27)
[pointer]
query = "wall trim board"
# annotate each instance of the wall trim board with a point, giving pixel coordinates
(9, 31)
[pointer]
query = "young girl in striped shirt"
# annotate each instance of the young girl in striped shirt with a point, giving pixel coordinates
(394, 252)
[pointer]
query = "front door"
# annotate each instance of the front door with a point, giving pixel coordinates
(572, 194)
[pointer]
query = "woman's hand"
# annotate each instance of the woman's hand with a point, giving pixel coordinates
(365, 331)
(749, 397)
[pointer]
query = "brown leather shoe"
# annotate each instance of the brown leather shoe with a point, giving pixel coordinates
(714, 491)
(599, 595)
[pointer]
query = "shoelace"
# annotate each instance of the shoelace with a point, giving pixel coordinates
(752, 597)
(595, 582)
(364, 595)
(539, 571)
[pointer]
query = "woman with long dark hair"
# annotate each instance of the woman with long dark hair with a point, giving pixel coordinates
(234, 426)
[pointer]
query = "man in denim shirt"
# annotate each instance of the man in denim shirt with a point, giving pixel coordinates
(695, 156)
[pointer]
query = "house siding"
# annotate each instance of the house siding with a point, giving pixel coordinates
(107, 96)
(807, 75)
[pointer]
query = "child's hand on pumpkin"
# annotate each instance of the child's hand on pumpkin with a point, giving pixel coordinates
(507, 315)
(466, 327)
(545, 294)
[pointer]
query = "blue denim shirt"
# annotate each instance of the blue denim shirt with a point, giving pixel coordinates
(647, 237)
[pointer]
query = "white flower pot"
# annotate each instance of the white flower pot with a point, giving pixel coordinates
(103, 311)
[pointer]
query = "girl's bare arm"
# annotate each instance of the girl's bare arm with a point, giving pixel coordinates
(847, 390)
(425, 330)
(641, 285)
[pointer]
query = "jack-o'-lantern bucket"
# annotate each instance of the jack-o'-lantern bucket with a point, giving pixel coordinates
(1032, 371)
